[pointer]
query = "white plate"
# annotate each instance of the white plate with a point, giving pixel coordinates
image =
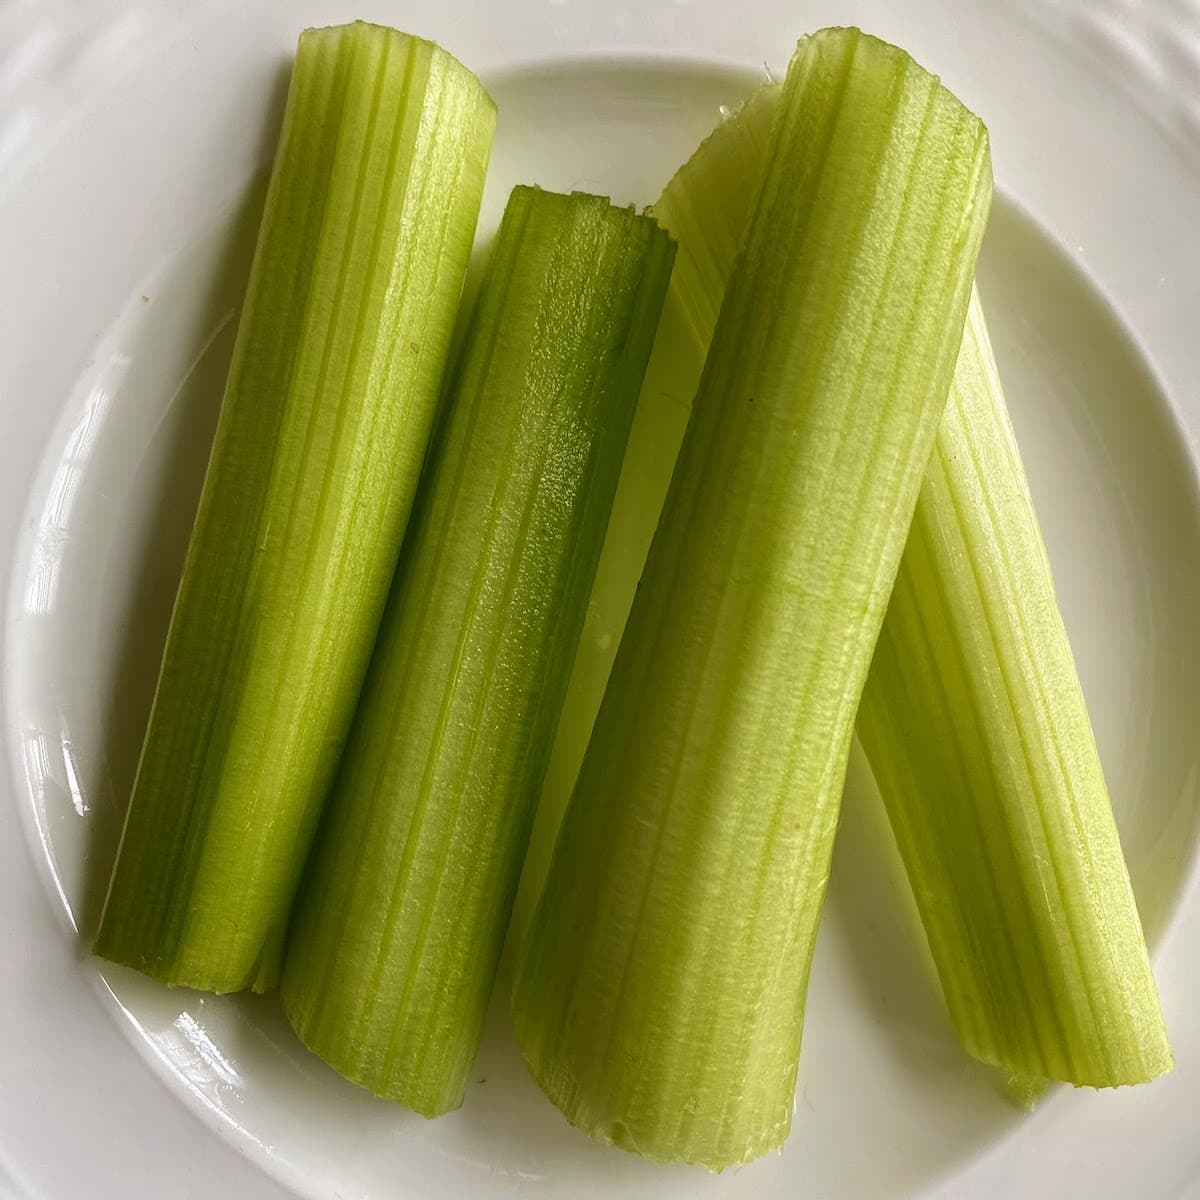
(131, 135)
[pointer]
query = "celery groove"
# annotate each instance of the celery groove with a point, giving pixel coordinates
(403, 912)
(659, 995)
(367, 229)
(972, 716)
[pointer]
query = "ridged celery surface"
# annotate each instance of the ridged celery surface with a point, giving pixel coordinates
(976, 729)
(659, 995)
(973, 717)
(368, 225)
(402, 916)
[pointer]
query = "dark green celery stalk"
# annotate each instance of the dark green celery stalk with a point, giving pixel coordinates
(403, 912)
(660, 993)
(972, 716)
(341, 348)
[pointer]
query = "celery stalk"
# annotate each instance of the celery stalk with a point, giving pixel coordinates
(401, 918)
(659, 995)
(977, 732)
(368, 225)
(972, 716)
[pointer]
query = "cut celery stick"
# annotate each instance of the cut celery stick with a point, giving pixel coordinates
(973, 717)
(402, 915)
(368, 225)
(976, 729)
(659, 995)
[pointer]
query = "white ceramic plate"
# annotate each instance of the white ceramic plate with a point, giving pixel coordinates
(131, 137)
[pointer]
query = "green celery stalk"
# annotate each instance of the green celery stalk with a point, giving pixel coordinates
(364, 243)
(401, 919)
(976, 729)
(659, 995)
(972, 716)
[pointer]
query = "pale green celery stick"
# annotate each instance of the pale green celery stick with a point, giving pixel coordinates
(973, 717)
(978, 736)
(403, 912)
(340, 352)
(659, 996)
